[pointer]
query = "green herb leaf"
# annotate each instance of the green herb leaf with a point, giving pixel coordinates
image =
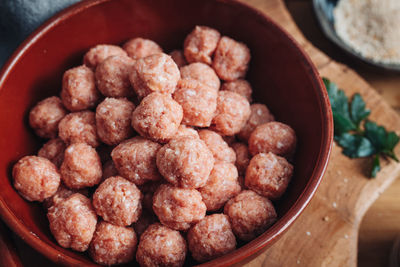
(340, 109)
(356, 142)
(358, 110)
(356, 146)
(376, 166)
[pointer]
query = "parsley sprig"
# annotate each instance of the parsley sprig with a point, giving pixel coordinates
(358, 136)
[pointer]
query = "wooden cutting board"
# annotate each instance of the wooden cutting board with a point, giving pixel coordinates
(326, 233)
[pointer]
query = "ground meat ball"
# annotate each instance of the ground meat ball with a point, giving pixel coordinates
(145, 220)
(179, 58)
(242, 157)
(185, 162)
(198, 102)
(178, 208)
(113, 244)
(274, 137)
(99, 53)
(241, 87)
(109, 170)
(211, 238)
(200, 44)
(231, 59)
(260, 114)
(135, 159)
(184, 130)
(139, 48)
(157, 117)
(79, 127)
(62, 194)
(233, 111)
(222, 185)
(112, 76)
(73, 222)
(118, 201)
(156, 73)
(201, 72)
(53, 150)
(78, 89)
(45, 116)
(35, 178)
(250, 214)
(268, 175)
(81, 166)
(169, 250)
(218, 147)
(113, 120)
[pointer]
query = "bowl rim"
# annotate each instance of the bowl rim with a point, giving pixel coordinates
(268, 237)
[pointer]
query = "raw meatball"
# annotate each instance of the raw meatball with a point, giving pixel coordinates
(113, 244)
(112, 76)
(109, 170)
(185, 162)
(233, 111)
(81, 166)
(62, 194)
(268, 175)
(113, 120)
(79, 127)
(218, 147)
(250, 214)
(242, 157)
(73, 222)
(274, 137)
(241, 87)
(178, 208)
(169, 249)
(99, 53)
(135, 159)
(179, 58)
(35, 178)
(145, 220)
(201, 72)
(118, 201)
(184, 130)
(139, 48)
(45, 116)
(156, 73)
(211, 238)
(198, 102)
(157, 117)
(53, 150)
(221, 186)
(200, 44)
(260, 114)
(78, 89)
(231, 59)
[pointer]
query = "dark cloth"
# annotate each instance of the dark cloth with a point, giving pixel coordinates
(18, 18)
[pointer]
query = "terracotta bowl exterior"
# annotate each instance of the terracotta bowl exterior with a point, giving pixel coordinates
(282, 76)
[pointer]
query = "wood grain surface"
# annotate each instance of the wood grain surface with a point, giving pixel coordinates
(326, 233)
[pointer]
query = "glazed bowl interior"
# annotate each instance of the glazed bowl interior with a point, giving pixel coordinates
(281, 74)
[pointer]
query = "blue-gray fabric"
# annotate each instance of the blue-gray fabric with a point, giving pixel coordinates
(18, 18)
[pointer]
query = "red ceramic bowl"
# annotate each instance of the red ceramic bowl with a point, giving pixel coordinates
(281, 73)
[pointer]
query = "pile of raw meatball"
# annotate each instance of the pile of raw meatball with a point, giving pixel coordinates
(154, 156)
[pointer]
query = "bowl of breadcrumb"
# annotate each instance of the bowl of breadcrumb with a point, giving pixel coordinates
(366, 29)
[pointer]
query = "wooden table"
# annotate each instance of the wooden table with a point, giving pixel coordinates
(381, 223)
